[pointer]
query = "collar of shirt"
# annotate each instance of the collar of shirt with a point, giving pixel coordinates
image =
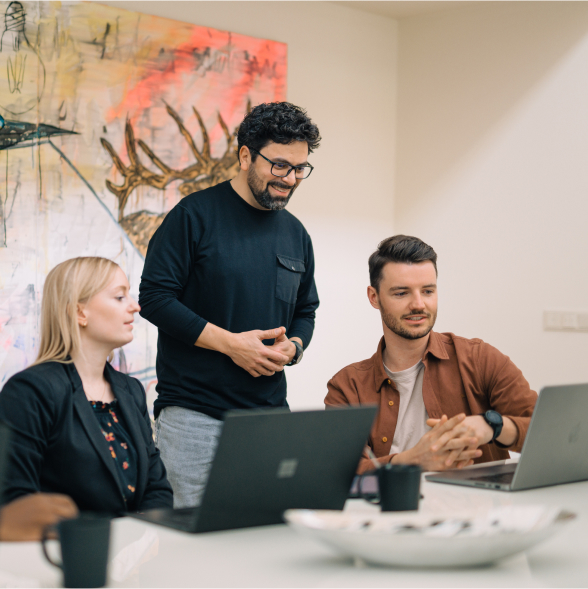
(435, 348)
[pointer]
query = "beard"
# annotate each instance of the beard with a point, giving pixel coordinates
(262, 195)
(395, 325)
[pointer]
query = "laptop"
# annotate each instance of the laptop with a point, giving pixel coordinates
(555, 449)
(268, 461)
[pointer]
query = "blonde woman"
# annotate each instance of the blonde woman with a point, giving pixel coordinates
(80, 427)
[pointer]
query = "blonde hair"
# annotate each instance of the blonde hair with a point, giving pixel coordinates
(69, 283)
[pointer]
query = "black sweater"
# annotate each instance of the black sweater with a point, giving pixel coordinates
(216, 258)
(58, 447)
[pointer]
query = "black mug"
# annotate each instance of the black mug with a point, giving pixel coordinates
(398, 487)
(84, 550)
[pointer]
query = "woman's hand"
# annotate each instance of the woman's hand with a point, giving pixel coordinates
(24, 519)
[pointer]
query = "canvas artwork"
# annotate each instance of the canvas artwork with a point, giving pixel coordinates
(107, 119)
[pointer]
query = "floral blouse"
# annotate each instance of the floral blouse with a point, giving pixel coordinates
(120, 445)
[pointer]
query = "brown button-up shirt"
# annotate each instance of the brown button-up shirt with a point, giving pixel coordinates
(461, 376)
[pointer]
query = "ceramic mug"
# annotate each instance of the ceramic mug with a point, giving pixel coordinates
(398, 487)
(85, 541)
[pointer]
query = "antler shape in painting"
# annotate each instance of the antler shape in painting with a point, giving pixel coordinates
(135, 174)
(206, 172)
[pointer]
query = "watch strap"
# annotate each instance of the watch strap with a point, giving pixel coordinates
(297, 355)
(497, 443)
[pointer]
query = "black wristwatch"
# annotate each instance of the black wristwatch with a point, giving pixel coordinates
(298, 354)
(494, 420)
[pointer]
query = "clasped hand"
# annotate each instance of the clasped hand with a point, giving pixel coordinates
(248, 351)
(450, 443)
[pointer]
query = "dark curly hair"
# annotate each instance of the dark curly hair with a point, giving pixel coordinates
(402, 249)
(278, 122)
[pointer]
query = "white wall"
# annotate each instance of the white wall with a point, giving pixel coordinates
(489, 165)
(341, 68)
(493, 172)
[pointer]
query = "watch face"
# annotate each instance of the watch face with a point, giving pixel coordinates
(494, 417)
(299, 353)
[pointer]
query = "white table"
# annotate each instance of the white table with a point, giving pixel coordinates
(145, 555)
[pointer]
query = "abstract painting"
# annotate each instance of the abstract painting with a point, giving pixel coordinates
(107, 119)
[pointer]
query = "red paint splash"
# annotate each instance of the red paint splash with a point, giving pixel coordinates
(215, 58)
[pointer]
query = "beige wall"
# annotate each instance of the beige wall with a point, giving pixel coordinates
(488, 163)
(493, 172)
(341, 68)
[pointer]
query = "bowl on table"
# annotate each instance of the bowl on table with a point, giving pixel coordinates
(413, 539)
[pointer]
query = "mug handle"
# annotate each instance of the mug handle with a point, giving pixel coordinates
(44, 538)
(368, 497)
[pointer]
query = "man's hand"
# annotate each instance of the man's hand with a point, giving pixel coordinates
(484, 432)
(285, 346)
(25, 518)
(481, 429)
(449, 444)
(247, 351)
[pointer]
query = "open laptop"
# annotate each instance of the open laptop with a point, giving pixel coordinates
(268, 461)
(555, 449)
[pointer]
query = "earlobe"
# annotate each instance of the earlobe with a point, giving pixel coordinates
(82, 319)
(373, 297)
(244, 158)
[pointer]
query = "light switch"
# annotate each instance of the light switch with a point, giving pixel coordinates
(565, 321)
(551, 320)
(569, 320)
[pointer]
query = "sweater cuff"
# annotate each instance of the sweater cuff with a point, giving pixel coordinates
(301, 330)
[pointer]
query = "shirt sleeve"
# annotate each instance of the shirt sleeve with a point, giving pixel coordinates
(29, 412)
(307, 302)
(168, 264)
(507, 390)
(340, 393)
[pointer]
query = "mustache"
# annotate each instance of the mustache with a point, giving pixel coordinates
(413, 313)
(280, 185)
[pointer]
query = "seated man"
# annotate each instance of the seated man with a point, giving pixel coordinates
(419, 377)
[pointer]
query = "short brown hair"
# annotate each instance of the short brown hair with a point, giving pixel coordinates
(401, 249)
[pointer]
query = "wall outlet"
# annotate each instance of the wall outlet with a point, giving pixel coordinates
(565, 321)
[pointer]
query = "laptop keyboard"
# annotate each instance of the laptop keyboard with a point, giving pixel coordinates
(174, 517)
(503, 477)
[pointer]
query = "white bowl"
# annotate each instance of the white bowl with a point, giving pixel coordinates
(380, 539)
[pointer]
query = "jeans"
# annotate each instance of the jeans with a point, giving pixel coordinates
(187, 442)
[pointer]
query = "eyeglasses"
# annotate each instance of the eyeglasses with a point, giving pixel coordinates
(282, 169)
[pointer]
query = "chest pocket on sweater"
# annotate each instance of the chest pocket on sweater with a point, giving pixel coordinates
(289, 274)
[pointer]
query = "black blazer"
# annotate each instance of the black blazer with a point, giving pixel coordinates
(58, 447)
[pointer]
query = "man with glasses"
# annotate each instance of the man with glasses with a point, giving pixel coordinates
(229, 282)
